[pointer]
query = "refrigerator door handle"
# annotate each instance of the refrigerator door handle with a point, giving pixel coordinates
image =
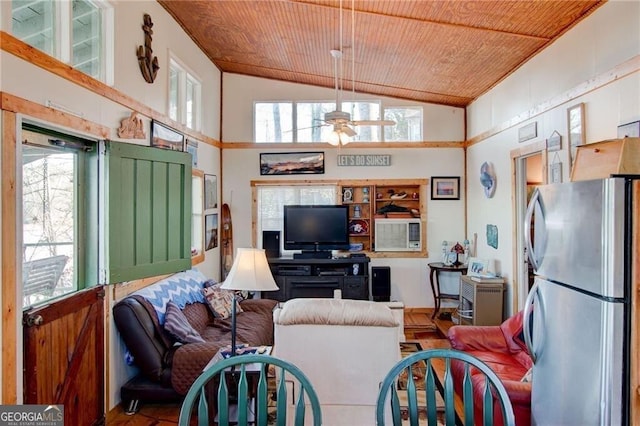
(532, 297)
(527, 228)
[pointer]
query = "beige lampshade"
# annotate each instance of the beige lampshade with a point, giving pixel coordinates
(250, 272)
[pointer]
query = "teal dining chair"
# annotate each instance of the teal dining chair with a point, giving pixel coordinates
(419, 372)
(249, 375)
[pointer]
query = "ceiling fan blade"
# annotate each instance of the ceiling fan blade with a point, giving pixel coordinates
(348, 131)
(373, 123)
(306, 128)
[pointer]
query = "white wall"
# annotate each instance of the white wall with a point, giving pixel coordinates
(24, 80)
(409, 279)
(441, 123)
(609, 38)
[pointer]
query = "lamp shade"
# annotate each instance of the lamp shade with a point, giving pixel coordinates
(250, 272)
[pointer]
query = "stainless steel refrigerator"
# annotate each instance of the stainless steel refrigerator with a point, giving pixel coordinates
(579, 309)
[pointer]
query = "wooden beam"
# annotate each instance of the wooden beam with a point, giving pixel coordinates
(19, 105)
(9, 228)
(616, 73)
(12, 45)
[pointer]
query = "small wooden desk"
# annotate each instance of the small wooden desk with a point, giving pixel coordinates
(435, 269)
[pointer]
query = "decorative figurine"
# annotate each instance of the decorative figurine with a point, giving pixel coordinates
(445, 246)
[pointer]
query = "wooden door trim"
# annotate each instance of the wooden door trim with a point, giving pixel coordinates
(9, 261)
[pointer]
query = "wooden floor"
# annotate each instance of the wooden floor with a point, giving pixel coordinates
(418, 327)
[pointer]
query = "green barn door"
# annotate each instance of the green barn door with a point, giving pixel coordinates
(148, 221)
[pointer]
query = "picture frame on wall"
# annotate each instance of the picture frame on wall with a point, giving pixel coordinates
(292, 163)
(445, 187)
(211, 231)
(191, 146)
(163, 136)
(210, 192)
(575, 130)
(575, 123)
(554, 143)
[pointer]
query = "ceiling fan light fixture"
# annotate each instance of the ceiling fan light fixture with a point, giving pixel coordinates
(338, 136)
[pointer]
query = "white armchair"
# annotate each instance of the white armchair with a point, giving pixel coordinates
(345, 347)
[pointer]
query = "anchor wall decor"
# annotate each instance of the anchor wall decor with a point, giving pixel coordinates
(149, 67)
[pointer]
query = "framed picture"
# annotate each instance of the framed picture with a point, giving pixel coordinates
(292, 163)
(211, 231)
(210, 192)
(575, 120)
(556, 172)
(575, 129)
(528, 132)
(554, 143)
(347, 195)
(445, 187)
(191, 146)
(477, 267)
(165, 137)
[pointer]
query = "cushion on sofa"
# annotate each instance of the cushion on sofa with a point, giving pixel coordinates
(220, 301)
(254, 327)
(177, 324)
(181, 288)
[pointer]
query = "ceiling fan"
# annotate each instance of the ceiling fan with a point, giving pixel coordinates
(341, 120)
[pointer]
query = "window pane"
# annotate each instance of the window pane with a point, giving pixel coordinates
(189, 102)
(364, 111)
(174, 76)
(33, 23)
(49, 223)
(273, 122)
(310, 121)
(272, 199)
(408, 124)
(86, 39)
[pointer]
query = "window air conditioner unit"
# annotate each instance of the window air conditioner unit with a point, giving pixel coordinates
(398, 235)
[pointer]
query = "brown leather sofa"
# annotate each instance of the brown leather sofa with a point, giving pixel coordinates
(502, 348)
(168, 370)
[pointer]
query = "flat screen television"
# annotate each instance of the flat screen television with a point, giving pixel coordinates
(316, 229)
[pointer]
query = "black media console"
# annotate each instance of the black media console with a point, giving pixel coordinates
(319, 278)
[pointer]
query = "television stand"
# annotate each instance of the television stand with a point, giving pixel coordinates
(321, 254)
(312, 277)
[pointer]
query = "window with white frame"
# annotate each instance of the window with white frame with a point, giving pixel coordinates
(77, 32)
(288, 121)
(273, 122)
(55, 181)
(272, 199)
(408, 126)
(184, 95)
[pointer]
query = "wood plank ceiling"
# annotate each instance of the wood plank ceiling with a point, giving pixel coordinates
(446, 52)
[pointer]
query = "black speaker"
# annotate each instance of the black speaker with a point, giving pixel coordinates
(381, 283)
(271, 243)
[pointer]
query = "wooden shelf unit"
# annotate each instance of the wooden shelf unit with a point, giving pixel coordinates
(366, 198)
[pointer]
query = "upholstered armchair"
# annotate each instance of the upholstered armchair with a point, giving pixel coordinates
(503, 349)
(345, 347)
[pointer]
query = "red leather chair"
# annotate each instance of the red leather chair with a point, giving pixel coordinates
(503, 349)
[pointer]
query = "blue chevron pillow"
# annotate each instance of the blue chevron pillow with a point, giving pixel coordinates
(181, 288)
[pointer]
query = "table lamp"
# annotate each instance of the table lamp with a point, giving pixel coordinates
(250, 272)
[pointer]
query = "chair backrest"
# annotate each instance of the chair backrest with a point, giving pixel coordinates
(250, 373)
(42, 275)
(438, 378)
